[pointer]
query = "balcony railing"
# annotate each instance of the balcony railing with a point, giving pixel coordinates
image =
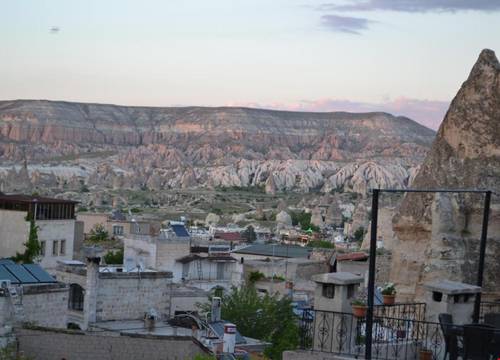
(488, 307)
(412, 311)
(393, 338)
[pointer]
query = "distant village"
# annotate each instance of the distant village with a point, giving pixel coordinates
(120, 273)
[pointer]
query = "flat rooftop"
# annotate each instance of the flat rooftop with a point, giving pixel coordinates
(278, 250)
(129, 327)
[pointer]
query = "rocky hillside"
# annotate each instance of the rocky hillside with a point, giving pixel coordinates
(118, 146)
(438, 235)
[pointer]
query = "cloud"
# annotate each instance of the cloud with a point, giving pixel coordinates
(429, 113)
(346, 24)
(414, 5)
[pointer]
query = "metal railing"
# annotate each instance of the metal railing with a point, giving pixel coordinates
(413, 311)
(393, 338)
(488, 307)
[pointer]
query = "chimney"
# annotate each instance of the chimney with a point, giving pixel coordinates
(216, 309)
(90, 300)
(229, 338)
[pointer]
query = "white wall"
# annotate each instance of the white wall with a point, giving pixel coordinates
(139, 251)
(14, 230)
(51, 230)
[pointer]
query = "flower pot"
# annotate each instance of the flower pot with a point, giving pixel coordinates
(389, 299)
(425, 355)
(359, 311)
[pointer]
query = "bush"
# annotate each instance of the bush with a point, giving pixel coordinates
(114, 258)
(256, 276)
(98, 234)
(321, 244)
(359, 234)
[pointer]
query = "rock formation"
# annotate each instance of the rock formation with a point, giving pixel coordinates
(283, 220)
(111, 147)
(437, 236)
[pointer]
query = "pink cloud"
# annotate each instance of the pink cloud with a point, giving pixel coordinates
(429, 113)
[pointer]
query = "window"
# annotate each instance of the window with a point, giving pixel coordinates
(437, 296)
(220, 271)
(55, 248)
(76, 296)
(42, 248)
(62, 250)
(350, 291)
(328, 291)
(117, 230)
(185, 271)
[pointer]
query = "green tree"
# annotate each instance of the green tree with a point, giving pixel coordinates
(33, 246)
(359, 234)
(98, 234)
(249, 234)
(303, 219)
(114, 258)
(262, 317)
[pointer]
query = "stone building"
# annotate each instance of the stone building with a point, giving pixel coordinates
(205, 267)
(55, 219)
(117, 224)
(104, 293)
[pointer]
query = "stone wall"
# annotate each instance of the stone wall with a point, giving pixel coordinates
(129, 296)
(168, 251)
(48, 345)
(91, 219)
(46, 305)
(139, 251)
(14, 232)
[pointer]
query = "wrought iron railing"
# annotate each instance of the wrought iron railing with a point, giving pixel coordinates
(393, 338)
(488, 307)
(412, 311)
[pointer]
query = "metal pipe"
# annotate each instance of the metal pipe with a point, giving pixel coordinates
(434, 191)
(482, 253)
(371, 274)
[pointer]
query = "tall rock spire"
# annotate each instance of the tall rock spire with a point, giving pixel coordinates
(437, 236)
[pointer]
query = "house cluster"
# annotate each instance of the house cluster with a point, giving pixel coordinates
(168, 269)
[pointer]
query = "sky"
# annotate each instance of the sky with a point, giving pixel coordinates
(404, 57)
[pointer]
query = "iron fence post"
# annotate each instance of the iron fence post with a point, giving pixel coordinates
(482, 253)
(371, 274)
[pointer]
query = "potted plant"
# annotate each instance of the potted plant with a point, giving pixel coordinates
(389, 293)
(359, 305)
(425, 354)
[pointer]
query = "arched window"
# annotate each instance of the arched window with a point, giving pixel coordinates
(76, 295)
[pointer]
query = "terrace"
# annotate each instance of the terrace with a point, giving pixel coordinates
(451, 323)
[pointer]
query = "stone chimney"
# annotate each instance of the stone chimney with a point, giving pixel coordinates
(215, 315)
(450, 297)
(332, 304)
(90, 300)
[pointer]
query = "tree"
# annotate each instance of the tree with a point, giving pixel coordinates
(263, 317)
(359, 233)
(249, 234)
(114, 258)
(33, 246)
(98, 233)
(303, 219)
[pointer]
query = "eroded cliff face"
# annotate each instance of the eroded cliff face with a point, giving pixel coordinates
(437, 236)
(118, 146)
